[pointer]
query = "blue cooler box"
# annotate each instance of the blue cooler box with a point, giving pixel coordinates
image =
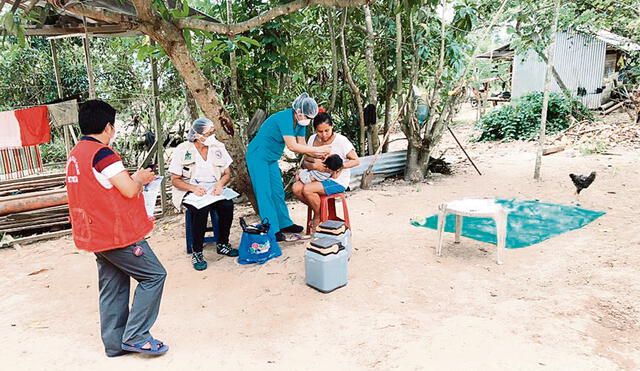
(325, 264)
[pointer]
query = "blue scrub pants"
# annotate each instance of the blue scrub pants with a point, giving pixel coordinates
(269, 191)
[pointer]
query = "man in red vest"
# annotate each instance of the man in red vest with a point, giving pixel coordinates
(108, 218)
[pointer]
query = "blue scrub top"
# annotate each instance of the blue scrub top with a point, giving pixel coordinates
(268, 142)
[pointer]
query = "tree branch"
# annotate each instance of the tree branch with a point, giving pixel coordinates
(143, 7)
(271, 14)
(94, 13)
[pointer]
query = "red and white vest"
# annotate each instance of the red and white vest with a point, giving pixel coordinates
(101, 219)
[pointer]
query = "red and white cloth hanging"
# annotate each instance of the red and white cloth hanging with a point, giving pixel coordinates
(24, 127)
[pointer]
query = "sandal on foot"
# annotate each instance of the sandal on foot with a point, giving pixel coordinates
(156, 347)
(291, 237)
(293, 228)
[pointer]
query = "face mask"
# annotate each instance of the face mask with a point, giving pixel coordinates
(305, 122)
(112, 141)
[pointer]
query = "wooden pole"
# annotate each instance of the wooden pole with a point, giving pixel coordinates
(545, 99)
(159, 132)
(87, 61)
(56, 70)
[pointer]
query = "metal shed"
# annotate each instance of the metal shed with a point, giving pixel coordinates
(587, 64)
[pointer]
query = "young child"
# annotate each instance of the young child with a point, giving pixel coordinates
(333, 163)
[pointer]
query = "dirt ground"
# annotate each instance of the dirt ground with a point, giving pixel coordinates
(570, 302)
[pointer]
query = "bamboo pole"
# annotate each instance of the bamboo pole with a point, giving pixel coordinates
(56, 70)
(87, 61)
(545, 99)
(159, 132)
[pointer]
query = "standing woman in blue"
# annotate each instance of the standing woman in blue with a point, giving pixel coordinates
(287, 127)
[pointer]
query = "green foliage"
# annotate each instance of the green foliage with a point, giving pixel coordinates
(521, 119)
(10, 24)
(53, 151)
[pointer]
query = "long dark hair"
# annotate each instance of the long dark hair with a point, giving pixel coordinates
(322, 118)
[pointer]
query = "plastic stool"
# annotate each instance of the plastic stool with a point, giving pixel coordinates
(214, 229)
(328, 210)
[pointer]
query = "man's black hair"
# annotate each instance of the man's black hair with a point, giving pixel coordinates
(322, 118)
(94, 115)
(333, 162)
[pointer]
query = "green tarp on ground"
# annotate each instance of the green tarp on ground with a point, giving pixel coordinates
(529, 222)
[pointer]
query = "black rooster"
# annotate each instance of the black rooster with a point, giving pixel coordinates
(582, 181)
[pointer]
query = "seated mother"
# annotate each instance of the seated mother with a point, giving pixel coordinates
(201, 165)
(310, 193)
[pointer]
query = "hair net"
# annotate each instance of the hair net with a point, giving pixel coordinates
(305, 105)
(199, 126)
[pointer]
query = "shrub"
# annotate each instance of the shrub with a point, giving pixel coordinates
(521, 119)
(53, 151)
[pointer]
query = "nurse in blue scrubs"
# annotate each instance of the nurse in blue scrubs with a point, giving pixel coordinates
(287, 127)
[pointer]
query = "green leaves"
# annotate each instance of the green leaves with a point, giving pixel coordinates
(11, 25)
(180, 12)
(248, 41)
(464, 19)
(520, 120)
(146, 50)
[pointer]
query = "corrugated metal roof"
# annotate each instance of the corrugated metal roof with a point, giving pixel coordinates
(617, 41)
(387, 164)
(503, 52)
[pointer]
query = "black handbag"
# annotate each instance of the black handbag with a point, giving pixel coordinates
(260, 228)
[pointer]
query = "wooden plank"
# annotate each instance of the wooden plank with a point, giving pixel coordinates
(32, 223)
(43, 211)
(18, 229)
(608, 111)
(40, 237)
(32, 178)
(32, 194)
(552, 150)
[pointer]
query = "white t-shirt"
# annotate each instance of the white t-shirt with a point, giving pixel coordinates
(340, 146)
(108, 172)
(187, 153)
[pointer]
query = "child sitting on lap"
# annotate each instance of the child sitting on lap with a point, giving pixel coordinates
(333, 163)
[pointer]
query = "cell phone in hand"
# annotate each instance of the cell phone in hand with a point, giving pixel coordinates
(152, 167)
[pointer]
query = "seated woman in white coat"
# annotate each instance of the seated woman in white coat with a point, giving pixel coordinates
(200, 166)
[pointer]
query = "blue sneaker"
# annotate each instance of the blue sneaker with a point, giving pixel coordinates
(226, 249)
(198, 261)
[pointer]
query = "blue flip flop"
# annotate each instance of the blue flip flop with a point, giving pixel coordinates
(157, 347)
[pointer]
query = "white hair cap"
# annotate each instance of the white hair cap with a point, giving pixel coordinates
(306, 105)
(199, 126)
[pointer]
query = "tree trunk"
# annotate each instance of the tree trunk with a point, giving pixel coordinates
(354, 88)
(372, 90)
(387, 118)
(334, 58)
(170, 38)
(233, 66)
(545, 99)
(398, 58)
(192, 106)
(414, 170)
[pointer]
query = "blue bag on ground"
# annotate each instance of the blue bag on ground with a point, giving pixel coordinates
(257, 244)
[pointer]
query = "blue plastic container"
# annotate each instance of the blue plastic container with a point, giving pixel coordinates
(325, 263)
